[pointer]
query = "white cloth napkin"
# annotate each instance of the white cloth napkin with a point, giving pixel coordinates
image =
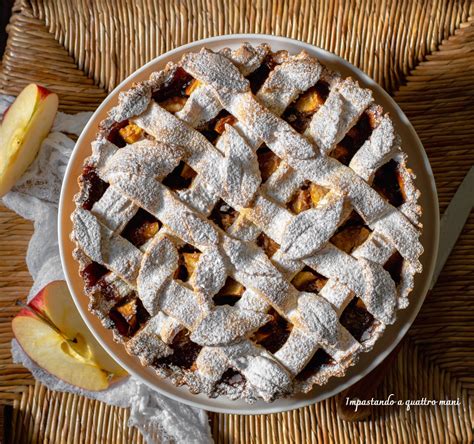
(35, 197)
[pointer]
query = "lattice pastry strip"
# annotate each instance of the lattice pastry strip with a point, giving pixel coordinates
(345, 104)
(114, 210)
(230, 171)
(104, 247)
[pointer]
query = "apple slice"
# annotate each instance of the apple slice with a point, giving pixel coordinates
(25, 124)
(53, 334)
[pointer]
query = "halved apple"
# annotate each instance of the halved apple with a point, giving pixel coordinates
(53, 334)
(26, 123)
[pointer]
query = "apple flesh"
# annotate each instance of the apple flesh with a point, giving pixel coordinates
(53, 334)
(26, 123)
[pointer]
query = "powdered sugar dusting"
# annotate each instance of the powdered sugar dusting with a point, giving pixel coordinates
(229, 170)
(147, 345)
(312, 228)
(226, 324)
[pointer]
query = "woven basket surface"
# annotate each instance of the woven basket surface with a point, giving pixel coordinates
(421, 52)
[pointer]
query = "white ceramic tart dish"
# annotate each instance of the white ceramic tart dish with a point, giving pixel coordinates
(247, 225)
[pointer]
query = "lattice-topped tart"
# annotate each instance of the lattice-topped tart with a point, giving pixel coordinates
(246, 223)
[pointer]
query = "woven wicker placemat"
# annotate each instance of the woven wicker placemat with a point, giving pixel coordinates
(423, 52)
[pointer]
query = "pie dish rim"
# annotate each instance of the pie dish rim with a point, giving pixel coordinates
(388, 341)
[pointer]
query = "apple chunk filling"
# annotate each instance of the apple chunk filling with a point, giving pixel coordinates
(115, 136)
(194, 84)
(268, 162)
(219, 127)
(273, 334)
(212, 129)
(223, 215)
(127, 316)
(185, 353)
(300, 112)
(306, 197)
(357, 135)
(188, 259)
(129, 311)
(394, 266)
(230, 293)
(257, 78)
(94, 187)
(174, 92)
(173, 104)
(309, 280)
(175, 86)
(356, 319)
(180, 178)
(268, 245)
(141, 228)
(310, 101)
(131, 133)
(352, 233)
(349, 238)
(389, 183)
(92, 273)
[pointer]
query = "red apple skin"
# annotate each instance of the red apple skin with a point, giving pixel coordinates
(43, 92)
(37, 303)
(25, 312)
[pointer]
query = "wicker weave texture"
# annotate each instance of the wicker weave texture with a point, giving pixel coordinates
(421, 51)
(107, 41)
